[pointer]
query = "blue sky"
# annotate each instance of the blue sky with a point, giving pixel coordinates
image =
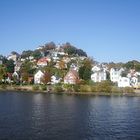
(108, 30)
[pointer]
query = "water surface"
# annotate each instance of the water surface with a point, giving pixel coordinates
(27, 116)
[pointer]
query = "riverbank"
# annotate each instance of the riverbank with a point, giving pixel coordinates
(50, 90)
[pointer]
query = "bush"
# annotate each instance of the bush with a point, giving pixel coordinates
(3, 86)
(128, 90)
(68, 87)
(76, 88)
(85, 88)
(58, 88)
(35, 87)
(43, 87)
(116, 89)
(93, 89)
(104, 86)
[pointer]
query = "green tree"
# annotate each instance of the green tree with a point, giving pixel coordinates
(37, 54)
(27, 70)
(10, 66)
(26, 54)
(85, 70)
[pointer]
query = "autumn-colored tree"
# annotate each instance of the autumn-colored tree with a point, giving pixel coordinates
(62, 65)
(25, 76)
(47, 78)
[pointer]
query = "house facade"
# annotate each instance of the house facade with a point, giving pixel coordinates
(43, 61)
(71, 77)
(115, 74)
(99, 74)
(55, 79)
(38, 77)
(124, 82)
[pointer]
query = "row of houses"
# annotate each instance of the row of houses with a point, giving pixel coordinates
(71, 77)
(100, 73)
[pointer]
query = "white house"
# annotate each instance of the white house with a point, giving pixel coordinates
(134, 81)
(95, 69)
(124, 82)
(16, 75)
(99, 74)
(38, 77)
(115, 74)
(55, 79)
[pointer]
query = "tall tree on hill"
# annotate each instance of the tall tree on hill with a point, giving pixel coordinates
(10, 66)
(50, 46)
(85, 70)
(37, 54)
(26, 54)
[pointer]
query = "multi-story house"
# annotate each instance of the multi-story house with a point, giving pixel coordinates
(115, 74)
(99, 74)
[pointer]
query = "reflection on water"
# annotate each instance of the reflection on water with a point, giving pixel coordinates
(44, 116)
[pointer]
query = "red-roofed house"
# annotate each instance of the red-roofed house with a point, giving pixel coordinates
(43, 61)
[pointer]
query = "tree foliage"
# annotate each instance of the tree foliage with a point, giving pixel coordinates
(2, 72)
(72, 50)
(85, 70)
(26, 54)
(10, 66)
(49, 46)
(133, 65)
(37, 54)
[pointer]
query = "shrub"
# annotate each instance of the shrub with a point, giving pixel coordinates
(76, 88)
(115, 89)
(35, 87)
(3, 86)
(85, 88)
(93, 89)
(68, 87)
(43, 87)
(58, 88)
(104, 86)
(128, 90)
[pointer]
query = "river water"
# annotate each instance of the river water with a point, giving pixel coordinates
(36, 116)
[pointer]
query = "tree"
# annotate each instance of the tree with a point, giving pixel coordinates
(2, 72)
(85, 70)
(85, 73)
(26, 54)
(50, 46)
(10, 66)
(81, 53)
(28, 67)
(37, 54)
(133, 65)
(47, 78)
